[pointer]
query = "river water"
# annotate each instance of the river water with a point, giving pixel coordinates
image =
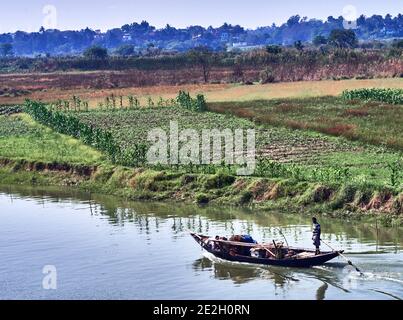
(84, 246)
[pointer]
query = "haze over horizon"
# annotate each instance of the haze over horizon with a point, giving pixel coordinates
(107, 14)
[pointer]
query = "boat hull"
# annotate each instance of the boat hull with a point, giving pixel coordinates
(305, 262)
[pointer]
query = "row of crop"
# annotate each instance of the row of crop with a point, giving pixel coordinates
(266, 168)
(100, 139)
(272, 169)
(393, 96)
(197, 104)
(9, 110)
(135, 155)
(113, 102)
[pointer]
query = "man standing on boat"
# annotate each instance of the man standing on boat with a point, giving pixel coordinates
(316, 235)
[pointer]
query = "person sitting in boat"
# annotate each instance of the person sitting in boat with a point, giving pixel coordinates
(215, 244)
(248, 239)
(290, 254)
(256, 253)
(233, 251)
(316, 235)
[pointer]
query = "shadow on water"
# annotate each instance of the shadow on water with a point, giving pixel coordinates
(321, 292)
(280, 277)
(241, 273)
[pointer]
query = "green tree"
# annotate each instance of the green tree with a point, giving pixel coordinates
(299, 46)
(273, 49)
(398, 44)
(204, 58)
(96, 52)
(319, 40)
(125, 50)
(294, 20)
(342, 38)
(6, 49)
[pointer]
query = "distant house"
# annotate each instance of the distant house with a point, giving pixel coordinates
(242, 46)
(239, 44)
(98, 35)
(224, 37)
(127, 37)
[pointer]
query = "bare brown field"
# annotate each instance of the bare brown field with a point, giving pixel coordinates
(54, 86)
(109, 79)
(300, 89)
(98, 95)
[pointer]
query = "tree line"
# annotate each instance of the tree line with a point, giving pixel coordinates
(144, 39)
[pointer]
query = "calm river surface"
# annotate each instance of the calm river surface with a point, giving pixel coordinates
(105, 248)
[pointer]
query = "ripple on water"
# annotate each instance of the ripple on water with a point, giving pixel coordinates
(125, 250)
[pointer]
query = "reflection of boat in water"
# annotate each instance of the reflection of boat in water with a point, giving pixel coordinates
(224, 271)
(268, 254)
(243, 273)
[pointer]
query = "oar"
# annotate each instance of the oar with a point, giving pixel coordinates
(344, 257)
(263, 247)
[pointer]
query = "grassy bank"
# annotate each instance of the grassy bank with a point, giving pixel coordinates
(306, 181)
(285, 195)
(21, 138)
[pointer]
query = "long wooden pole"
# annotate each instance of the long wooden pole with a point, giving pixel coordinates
(268, 251)
(281, 232)
(344, 257)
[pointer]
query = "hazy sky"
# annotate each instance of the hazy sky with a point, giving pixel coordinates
(29, 15)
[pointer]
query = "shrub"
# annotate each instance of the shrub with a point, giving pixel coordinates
(186, 101)
(201, 198)
(344, 196)
(96, 52)
(398, 204)
(266, 76)
(219, 180)
(246, 197)
(187, 179)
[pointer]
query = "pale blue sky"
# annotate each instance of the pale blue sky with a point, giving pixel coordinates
(104, 14)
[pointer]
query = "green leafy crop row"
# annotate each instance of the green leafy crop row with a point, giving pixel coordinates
(393, 96)
(70, 125)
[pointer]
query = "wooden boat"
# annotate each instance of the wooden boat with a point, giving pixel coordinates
(276, 254)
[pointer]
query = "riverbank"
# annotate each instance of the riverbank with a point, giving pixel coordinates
(285, 195)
